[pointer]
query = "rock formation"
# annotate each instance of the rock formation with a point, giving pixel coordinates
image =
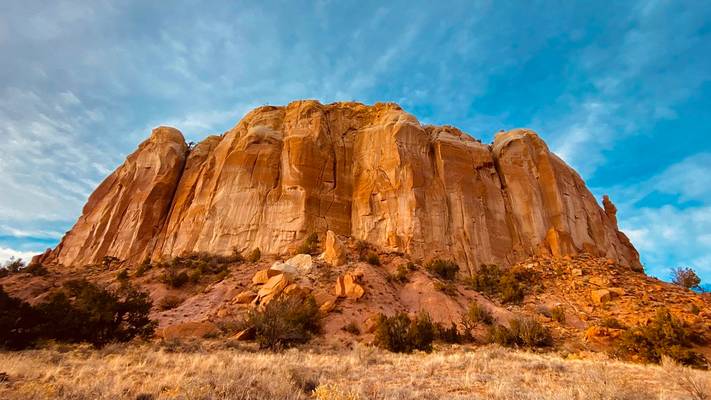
(370, 172)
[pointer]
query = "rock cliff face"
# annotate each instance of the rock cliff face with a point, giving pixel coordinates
(371, 172)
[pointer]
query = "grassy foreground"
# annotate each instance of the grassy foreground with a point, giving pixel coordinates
(218, 371)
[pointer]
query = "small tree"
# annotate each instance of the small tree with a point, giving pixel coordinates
(686, 277)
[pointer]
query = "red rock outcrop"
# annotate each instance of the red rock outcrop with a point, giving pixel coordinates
(370, 172)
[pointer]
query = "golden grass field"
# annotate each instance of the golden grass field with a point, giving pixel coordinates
(224, 371)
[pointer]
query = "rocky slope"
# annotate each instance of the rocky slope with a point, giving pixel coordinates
(366, 172)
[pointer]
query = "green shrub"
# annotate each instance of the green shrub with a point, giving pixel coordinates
(174, 278)
(78, 312)
(686, 278)
(478, 314)
(36, 269)
(122, 275)
(14, 265)
(255, 255)
(142, 268)
(373, 259)
(664, 335)
(448, 288)
(522, 332)
(169, 302)
(445, 269)
(351, 328)
(399, 334)
(285, 322)
(400, 274)
(309, 245)
(611, 323)
(558, 314)
(448, 335)
(508, 285)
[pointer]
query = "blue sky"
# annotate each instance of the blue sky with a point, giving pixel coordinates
(620, 90)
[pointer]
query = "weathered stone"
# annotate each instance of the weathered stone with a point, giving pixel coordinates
(600, 296)
(370, 172)
(300, 264)
(244, 297)
(273, 288)
(327, 306)
(347, 286)
(245, 334)
(334, 251)
(263, 276)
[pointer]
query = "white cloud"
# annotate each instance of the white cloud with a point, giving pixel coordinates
(6, 254)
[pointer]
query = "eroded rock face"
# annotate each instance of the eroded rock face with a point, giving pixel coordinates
(370, 172)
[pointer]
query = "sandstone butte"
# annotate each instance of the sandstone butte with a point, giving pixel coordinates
(369, 172)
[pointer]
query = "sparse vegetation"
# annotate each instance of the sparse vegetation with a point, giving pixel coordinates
(255, 255)
(521, 332)
(309, 245)
(664, 335)
(558, 314)
(686, 278)
(508, 285)
(400, 334)
(476, 314)
(445, 269)
(169, 302)
(36, 269)
(611, 323)
(401, 274)
(122, 275)
(448, 335)
(78, 312)
(373, 259)
(14, 265)
(351, 328)
(448, 288)
(285, 322)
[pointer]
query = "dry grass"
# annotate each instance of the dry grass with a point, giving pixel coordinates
(220, 372)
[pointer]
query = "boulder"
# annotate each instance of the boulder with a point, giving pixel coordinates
(263, 276)
(327, 306)
(348, 286)
(335, 252)
(600, 296)
(244, 297)
(245, 334)
(273, 288)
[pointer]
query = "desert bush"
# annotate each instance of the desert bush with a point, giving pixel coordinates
(448, 335)
(445, 269)
(142, 268)
(78, 312)
(521, 332)
(686, 277)
(36, 269)
(18, 322)
(477, 314)
(309, 245)
(611, 323)
(169, 302)
(373, 259)
(362, 247)
(255, 255)
(109, 261)
(508, 285)
(448, 288)
(351, 328)
(558, 314)
(664, 335)
(122, 275)
(400, 334)
(14, 265)
(400, 274)
(285, 322)
(175, 278)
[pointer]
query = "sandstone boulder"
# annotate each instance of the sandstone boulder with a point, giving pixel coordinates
(244, 297)
(273, 288)
(348, 286)
(299, 265)
(600, 296)
(263, 276)
(334, 250)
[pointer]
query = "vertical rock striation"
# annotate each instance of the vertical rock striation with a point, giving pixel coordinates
(371, 172)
